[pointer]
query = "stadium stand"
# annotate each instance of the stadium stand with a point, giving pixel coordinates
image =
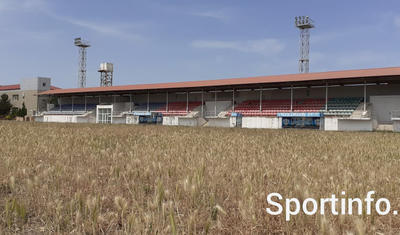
(235, 102)
(342, 106)
(272, 107)
(174, 108)
(336, 106)
(178, 108)
(152, 107)
(76, 107)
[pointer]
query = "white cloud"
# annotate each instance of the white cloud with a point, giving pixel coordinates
(111, 29)
(222, 14)
(263, 46)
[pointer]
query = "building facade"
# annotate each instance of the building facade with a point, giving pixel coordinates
(28, 92)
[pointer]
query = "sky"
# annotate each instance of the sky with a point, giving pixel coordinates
(184, 40)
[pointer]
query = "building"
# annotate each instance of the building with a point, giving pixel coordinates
(28, 92)
(358, 100)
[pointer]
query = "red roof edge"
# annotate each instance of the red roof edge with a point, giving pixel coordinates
(285, 78)
(10, 87)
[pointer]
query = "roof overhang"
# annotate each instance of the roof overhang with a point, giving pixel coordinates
(377, 75)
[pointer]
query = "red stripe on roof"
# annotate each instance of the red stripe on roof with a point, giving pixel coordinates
(10, 87)
(363, 73)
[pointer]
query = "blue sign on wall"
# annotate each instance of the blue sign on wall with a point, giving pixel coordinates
(301, 122)
(299, 114)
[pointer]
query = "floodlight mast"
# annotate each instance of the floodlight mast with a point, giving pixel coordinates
(82, 45)
(304, 24)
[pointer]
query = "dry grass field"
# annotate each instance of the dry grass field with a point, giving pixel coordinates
(95, 179)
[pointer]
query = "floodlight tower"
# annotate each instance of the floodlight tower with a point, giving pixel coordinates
(304, 23)
(106, 74)
(82, 45)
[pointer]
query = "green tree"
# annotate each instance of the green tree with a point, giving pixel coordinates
(5, 105)
(22, 111)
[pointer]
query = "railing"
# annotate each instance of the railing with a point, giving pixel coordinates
(396, 115)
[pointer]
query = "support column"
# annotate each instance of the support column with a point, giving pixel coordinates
(85, 104)
(260, 100)
(60, 103)
(114, 103)
(148, 101)
(72, 103)
(166, 106)
(215, 102)
(326, 97)
(130, 103)
(47, 103)
(233, 100)
(202, 103)
(365, 96)
(291, 98)
(187, 101)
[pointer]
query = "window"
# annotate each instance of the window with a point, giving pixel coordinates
(15, 97)
(44, 84)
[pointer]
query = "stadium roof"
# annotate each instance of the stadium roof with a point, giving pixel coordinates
(233, 82)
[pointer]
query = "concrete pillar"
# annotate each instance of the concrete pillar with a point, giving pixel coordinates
(291, 98)
(365, 96)
(187, 101)
(148, 101)
(215, 102)
(326, 97)
(166, 106)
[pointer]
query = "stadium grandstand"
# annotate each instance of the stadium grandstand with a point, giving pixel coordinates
(350, 100)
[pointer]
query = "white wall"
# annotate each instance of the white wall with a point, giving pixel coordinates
(187, 121)
(170, 121)
(132, 119)
(355, 125)
(262, 122)
(331, 124)
(60, 118)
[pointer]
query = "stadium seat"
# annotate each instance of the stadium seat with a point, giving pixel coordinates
(178, 108)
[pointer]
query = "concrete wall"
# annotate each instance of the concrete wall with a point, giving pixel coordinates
(396, 125)
(219, 122)
(383, 106)
(119, 120)
(355, 125)
(36, 84)
(28, 94)
(219, 105)
(331, 124)
(130, 119)
(170, 121)
(187, 121)
(262, 122)
(338, 124)
(60, 118)
(88, 118)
